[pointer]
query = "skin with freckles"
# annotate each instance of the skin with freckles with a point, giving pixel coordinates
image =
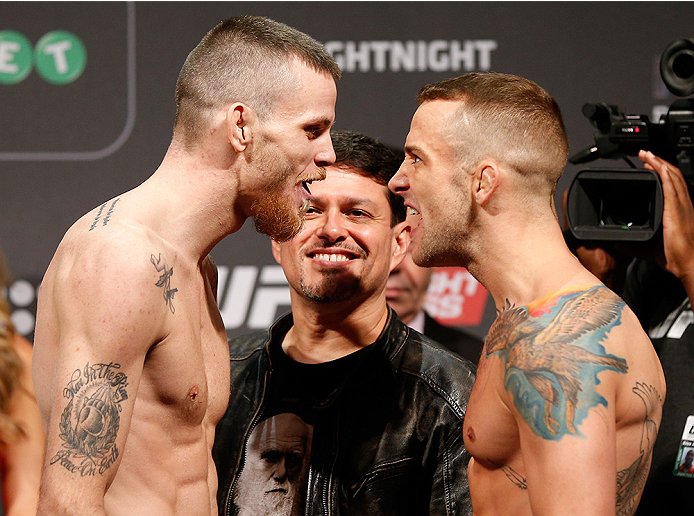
(130, 345)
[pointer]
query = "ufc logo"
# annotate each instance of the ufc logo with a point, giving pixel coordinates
(251, 296)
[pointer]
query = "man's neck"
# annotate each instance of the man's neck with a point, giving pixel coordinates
(192, 204)
(523, 265)
(322, 333)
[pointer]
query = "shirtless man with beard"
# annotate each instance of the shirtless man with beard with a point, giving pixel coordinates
(131, 359)
(568, 396)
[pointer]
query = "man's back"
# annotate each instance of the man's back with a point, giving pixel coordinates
(565, 385)
(128, 342)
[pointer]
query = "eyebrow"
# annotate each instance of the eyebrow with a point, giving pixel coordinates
(349, 201)
(413, 149)
(321, 122)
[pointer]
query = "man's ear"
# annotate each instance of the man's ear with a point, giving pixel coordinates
(401, 237)
(240, 122)
(487, 179)
(276, 251)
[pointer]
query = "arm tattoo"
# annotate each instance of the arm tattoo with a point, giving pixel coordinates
(553, 355)
(165, 281)
(89, 424)
(630, 481)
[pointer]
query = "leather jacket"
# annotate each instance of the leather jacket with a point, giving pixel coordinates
(389, 440)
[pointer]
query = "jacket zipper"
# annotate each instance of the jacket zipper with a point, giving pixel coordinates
(254, 423)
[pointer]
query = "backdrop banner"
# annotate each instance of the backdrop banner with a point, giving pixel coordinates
(87, 107)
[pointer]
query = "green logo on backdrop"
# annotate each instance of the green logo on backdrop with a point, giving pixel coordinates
(15, 57)
(60, 57)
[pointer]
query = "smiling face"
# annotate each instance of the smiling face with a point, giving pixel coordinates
(347, 246)
(292, 147)
(432, 182)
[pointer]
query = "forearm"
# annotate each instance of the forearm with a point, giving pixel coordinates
(68, 501)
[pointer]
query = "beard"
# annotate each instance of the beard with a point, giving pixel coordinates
(333, 288)
(277, 216)
(447, 243)
(275, 212)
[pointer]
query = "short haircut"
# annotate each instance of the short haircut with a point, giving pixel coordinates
(508, 118)
(373, 159)
(243, 59)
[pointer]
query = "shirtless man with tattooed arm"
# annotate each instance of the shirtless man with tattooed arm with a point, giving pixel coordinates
(568, 396)
(131, 363)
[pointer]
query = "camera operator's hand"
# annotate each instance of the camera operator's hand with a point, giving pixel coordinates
(678, 221)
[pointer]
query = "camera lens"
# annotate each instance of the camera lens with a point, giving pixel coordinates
(683, 65)
(677, 67)
(617, 211)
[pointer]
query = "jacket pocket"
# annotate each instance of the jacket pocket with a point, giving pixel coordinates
(386, 479)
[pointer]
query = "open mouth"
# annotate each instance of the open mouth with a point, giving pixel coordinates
(412, 211)
(308, 178)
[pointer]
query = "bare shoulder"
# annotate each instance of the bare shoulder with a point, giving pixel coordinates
(564, 355)
(119, 275)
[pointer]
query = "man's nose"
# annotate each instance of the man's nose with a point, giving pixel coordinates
(332, 227)
(280, 471)
(326, 154)
(399, 182)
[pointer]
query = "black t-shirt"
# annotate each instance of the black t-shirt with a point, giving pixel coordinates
(278, 453)
(304, 388)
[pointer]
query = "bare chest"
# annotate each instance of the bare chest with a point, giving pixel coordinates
(186, 375)
(490, 429)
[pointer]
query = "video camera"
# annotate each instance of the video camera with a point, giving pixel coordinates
(627, 204)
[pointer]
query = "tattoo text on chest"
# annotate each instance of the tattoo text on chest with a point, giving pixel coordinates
(89, 424)
(552, 358)
(165, 281)
(104, 222)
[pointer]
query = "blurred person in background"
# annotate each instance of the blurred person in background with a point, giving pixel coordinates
(21, 434)
(406, 293)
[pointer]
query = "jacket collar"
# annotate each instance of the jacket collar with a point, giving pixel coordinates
(390, 341)
(389, 344)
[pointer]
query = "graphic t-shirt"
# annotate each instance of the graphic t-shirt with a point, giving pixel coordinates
(273, 480)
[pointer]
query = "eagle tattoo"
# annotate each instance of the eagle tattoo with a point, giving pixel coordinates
(552, 360)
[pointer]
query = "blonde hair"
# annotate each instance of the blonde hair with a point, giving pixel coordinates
(508, 118)
(10, 364)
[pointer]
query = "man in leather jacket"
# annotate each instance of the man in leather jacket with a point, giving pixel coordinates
(340, 408)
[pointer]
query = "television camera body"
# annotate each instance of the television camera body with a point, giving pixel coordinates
(627, 204)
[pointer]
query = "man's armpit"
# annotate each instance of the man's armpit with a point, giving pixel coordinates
(90, 422)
